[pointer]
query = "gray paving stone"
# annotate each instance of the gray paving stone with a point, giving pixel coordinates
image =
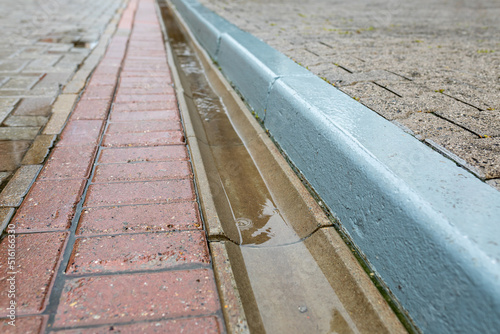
(26, 121)
(3, 177)
(39, 150)
(18, 133)
(4, 112)
(477, 121)
(13, 193)
(8, 102)
(21, 83)
(436, 58)
(5, 217)
(12, 153)
(12, 66)
(482, 153)
(34, 106)
(3, 80)
(429, 126)
(42, 63)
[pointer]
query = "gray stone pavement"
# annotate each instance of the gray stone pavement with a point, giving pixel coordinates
(41, 46)
(432, 67)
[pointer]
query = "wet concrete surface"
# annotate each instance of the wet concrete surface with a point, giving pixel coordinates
(283, 260)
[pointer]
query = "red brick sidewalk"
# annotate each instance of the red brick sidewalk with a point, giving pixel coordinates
(109, 237)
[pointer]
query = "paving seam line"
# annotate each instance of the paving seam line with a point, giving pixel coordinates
(61, 109)
(427, 227)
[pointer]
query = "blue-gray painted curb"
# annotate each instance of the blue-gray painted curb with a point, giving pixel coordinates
(429, 228)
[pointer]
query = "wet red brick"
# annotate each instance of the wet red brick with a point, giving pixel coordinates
(143, 139)
(91, 109)
(81, 132)
(126, 98)
(110, 62)
(98, 92)
(144, 126)
(144, 82)
(142, 171)
(145, 115)
(152, 153)
(146, 67)
(159, 76)
(111, 71)
(152, 64)
(205, 325)
(138, 53)
(25, 325)
(108, 194)
(49, 205)
(139, 218)
(36, 259)
(123, 298)
(102, 80)
(113, 54)
(66, 162)
(135, 45)
(164, 89)
(138, 57)
(144, 106)
(151, 251)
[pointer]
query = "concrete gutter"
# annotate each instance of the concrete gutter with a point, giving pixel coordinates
(430, 229)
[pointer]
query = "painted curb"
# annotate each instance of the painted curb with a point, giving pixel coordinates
(429, 228)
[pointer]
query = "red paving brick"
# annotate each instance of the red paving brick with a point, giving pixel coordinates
(49, 205)
(144, 82)
(108, 70)
(109, 194)
(36, 259)
(142, 171)
(99, 92)
(91, 109)
(123, 298)
(127, 224)
(66, 162)
(144, 126)
(143, 139)
(146, 67)
(155, 153)
(145, 116)
(160, 76)
(138, 53)
(25, 325)
(139, 218)
(205, 325)
(165, 89)
(151, 251)
(127, 98)
(81, 132)
(144, 106)
(102, 80)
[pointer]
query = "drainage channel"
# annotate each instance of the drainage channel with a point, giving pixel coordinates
(292, 271)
